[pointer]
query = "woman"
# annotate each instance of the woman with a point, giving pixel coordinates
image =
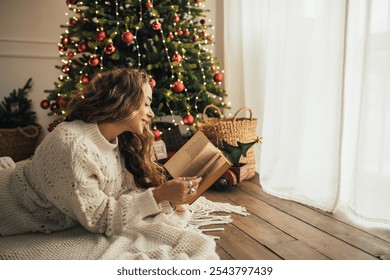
(91, 168)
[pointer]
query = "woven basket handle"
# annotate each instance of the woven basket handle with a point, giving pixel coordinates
(32, 135)
(210, 106)
(242, 109)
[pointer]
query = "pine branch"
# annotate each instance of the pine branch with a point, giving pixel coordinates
(15, 109)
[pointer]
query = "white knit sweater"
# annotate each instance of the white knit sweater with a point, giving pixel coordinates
(77, 176)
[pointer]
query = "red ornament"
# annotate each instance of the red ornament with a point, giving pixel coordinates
(65, 68)
(127, 37)
(82, 47)
(109, 49)
(94, 61)
(71, 2)
(45, 104)
(156, 25)
(149, 5)
(171, 36)
(152, 82)
(177, 57)
(72, 22)
(178, 86)
(175, 19)
(195, 38)
(84, 79)
(101, 35)
(62, 101)
(157, 134)
(188, 119)
(179, 32)
(70, 54)
(187, 33)
(53, 106)
(202, 21)
(65, 40)
(61, 48)
(218, 77)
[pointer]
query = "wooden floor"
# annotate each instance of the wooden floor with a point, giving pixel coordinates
(283, 229)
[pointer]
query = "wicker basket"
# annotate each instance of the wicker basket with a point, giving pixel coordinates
(19, 143)
(170, 135)
(232, 130)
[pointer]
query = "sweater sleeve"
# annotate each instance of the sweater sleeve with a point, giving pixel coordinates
(78, 193)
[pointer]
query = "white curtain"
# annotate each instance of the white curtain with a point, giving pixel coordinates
(365, 184)
(316, 73)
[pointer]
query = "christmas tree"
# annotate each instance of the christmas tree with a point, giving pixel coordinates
(167, 38)
(15, 110)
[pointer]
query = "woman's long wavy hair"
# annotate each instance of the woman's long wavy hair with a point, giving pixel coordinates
(114, 95)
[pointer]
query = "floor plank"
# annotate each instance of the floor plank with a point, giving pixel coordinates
(237, 244)
(223, 254)
(279, 228)
(315, 238)
(297, 250)
(327, 222)
(270, 236)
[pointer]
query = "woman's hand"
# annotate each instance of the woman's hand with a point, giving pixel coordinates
(177, 191)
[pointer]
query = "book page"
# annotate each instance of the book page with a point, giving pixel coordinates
(198, 157)
(217, 168)
(201, 161)
(207, 165)
(192, 157)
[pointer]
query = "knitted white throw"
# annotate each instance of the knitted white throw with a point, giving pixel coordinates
(77, 243)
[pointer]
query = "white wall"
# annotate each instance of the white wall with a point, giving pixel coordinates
(29, 34)
(216, 17)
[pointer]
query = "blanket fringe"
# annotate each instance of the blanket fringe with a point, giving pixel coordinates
(202, 209)
(203, 205)
(212, 229)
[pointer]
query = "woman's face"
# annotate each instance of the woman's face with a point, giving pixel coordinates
(142, 118)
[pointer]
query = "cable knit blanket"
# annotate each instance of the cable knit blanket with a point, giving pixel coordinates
(79, 244)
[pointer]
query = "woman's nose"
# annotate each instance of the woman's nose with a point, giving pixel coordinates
(151, 113)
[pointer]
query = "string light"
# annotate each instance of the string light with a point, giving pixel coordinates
(171, 67)
(117, 17)
(182, 23)
(136, 33)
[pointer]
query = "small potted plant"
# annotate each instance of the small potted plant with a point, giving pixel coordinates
(18, 131)
(234, 154)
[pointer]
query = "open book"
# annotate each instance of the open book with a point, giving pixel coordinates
(198, 157)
